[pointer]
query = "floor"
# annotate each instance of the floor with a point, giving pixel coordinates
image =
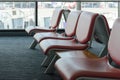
(18, 62)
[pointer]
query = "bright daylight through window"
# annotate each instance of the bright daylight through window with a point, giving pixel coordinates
(17, 15)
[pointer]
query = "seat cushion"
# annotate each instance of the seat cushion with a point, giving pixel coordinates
(76, 53)
(72, 68)
(32, 29)
(49, 35)
(55, 44)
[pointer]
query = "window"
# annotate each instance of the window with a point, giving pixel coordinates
(45, 10)
(16, 15)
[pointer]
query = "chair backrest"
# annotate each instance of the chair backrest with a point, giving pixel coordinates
(66, 13)
(100, 38)
(102, 30)
(71, 23)
(56, 17)
(114, 42)
(85, 26)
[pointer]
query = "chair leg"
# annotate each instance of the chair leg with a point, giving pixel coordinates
(45, 62)
(48, 59)
(33, 44)
(50, 69)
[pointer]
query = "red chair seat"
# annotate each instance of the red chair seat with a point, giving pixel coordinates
(53, 44)
(50, 35)
(72, 68)
(55, 20)
(33, 29)
(76, 53)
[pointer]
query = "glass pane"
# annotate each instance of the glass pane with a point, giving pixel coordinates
(108, 9)
(45, 11)
(16, 15)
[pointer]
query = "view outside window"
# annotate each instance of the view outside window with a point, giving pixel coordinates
(17, 15)
(45, 11)
(108, 9)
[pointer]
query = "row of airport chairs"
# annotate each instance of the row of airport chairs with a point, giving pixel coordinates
(83, 49)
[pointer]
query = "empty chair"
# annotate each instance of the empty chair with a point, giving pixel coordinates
(69, 33)
(56, 17)
(83, 35)
(97, 46)
(106, 67)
